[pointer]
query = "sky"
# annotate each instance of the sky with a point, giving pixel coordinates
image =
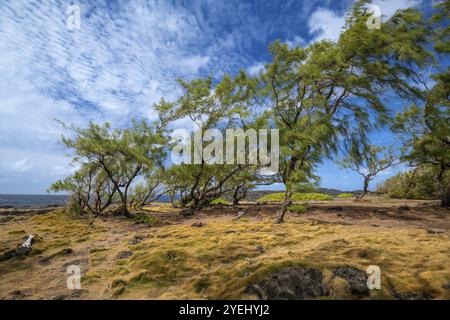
(125, 56)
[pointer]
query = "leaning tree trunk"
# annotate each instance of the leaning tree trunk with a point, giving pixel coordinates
(287, 196)
(196, 205)
(284, 207)
(445, 201)
(236, 197)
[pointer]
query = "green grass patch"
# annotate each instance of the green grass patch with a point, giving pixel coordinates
(220, 201)
(344, 196)
(297, 196)
(298, 208)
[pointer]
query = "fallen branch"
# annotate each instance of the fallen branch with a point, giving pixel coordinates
(22, 250)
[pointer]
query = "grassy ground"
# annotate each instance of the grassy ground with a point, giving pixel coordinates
(171, 259)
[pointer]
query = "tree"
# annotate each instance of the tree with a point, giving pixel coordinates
(424, 126)
(418, 183)
(148, 191)
(91, 190)
(322, 93)
(424, 146)
(121, 154)
(220, 107)
(368, 161)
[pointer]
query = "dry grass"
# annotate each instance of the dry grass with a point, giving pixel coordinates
(216, 261)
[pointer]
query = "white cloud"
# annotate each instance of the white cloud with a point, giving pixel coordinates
(327, 24)
(194, 64)
(120, 62)
(125, 57)
(296, 42)
(16, 166)
(21, 165)
(388, 8)
(255, 69)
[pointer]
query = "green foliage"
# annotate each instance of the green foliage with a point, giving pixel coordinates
(73, 206)
(220, 201)
(278, 197)
(297, 208)
(344, 196)
(330, 92)
(441, 18)
(368, 160)
(148, 191)
(144, 219)
(91, 190)
(424, 126)
(323, 98)
(111, 159)
(222, 106)
(416, 184)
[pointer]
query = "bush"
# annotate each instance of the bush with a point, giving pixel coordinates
(418, 184)
(220, 201)
(344, 196)
(279, 197)
(298, 208)
(142, 218)
(73, 206)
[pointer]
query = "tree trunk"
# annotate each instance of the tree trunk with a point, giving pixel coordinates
(365, 189)
(445, 200)
(124, 210)
(287, 201)
(195, 204)
(123, 207)
(236, 196)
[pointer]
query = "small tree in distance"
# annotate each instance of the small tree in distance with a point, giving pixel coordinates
(368, 161)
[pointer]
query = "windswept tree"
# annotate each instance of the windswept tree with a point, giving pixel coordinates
(421, 182)
(220, 107)
(148, 191)
(424, 126)
(246, 180)
(91, 190)
(322, 93)
(121, 154)
(368, 161)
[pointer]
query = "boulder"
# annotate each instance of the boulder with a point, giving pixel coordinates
(355, 278)
(290, 284)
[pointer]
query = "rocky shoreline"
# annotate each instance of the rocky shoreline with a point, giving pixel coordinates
(10, 210)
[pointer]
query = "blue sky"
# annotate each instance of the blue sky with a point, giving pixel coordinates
(126, 56)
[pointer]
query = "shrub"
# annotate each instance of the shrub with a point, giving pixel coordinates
(311, 196)
(73, 206)
(418, 184)
(298, 208)
(144, 219)
(344, 195)
(220, 201)
(278, 197)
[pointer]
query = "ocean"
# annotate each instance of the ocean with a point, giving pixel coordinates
(31, 200)
(40, 200)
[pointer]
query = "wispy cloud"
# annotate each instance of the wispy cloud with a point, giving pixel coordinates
(19, 166)
(125, 57)
(327, 24)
